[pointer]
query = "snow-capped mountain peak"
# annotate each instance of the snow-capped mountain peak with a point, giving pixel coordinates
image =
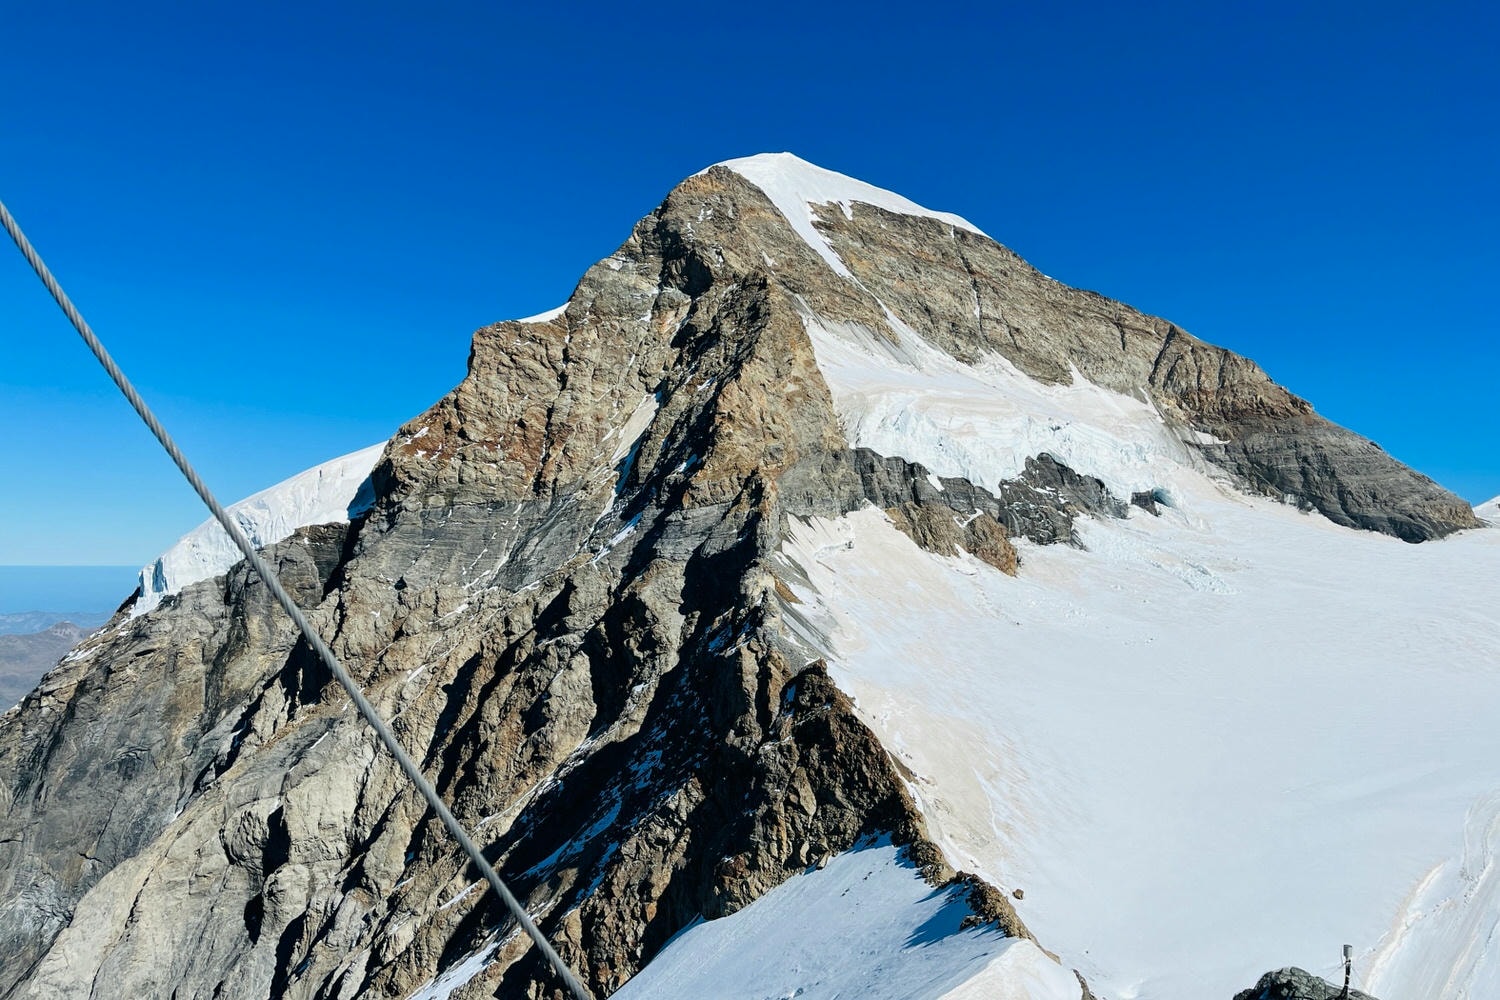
(796, 186)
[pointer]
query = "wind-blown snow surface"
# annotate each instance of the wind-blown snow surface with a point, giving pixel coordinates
(1217, 742)
(1489, 511)
(795, 186)
(332, 492)
(866, 926)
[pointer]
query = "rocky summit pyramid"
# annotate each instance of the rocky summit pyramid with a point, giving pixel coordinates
(823, 602)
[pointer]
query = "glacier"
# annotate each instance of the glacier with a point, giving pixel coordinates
(1219, 740)
(1208, 743)
(331, 492)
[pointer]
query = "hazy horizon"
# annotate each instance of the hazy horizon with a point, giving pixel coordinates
(63, 589)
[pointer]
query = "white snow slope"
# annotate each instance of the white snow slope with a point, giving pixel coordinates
(1213, 743)
(866, 926)
(328, 493)
(1217, 742)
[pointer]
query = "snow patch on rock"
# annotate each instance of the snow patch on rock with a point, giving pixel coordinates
(795, 186)
(457, 977)
(544, 317)
(983, 421)
(332, 492)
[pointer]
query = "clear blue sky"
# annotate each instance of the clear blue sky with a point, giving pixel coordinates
(286, 220)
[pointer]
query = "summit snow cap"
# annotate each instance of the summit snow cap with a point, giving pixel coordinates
(794, 186)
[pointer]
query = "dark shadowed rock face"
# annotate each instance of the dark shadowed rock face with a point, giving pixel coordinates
(564, 599)
(1296, 984)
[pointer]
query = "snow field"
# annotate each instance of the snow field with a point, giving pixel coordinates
(865, 926)
(1205, 747)
(1219, 742)
(982, 422)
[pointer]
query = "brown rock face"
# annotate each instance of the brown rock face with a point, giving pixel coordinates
(563, 599)
(969, 296)
(938, 530)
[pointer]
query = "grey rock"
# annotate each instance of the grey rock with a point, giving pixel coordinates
(1297, 984)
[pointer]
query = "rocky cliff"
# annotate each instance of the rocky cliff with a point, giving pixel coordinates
(566, 598)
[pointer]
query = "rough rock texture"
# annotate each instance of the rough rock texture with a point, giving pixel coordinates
(970, 296)
(564, 600)
(1040, 504)
(1295, 984)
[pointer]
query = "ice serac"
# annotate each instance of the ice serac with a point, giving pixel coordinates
(331, 492)
(598, 592)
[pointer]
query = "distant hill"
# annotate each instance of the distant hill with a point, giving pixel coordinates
(62, 593)
(24, 659)
(26, 622)
(33, 640)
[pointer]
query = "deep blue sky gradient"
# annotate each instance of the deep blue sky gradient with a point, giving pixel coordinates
(286, 220)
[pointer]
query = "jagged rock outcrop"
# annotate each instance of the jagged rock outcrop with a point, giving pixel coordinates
(1297, 984)
(564, 599)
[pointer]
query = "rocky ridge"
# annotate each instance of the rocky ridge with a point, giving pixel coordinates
(564, 596)
(1297, 984)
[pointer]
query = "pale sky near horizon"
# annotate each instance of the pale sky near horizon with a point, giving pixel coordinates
(286, 220)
